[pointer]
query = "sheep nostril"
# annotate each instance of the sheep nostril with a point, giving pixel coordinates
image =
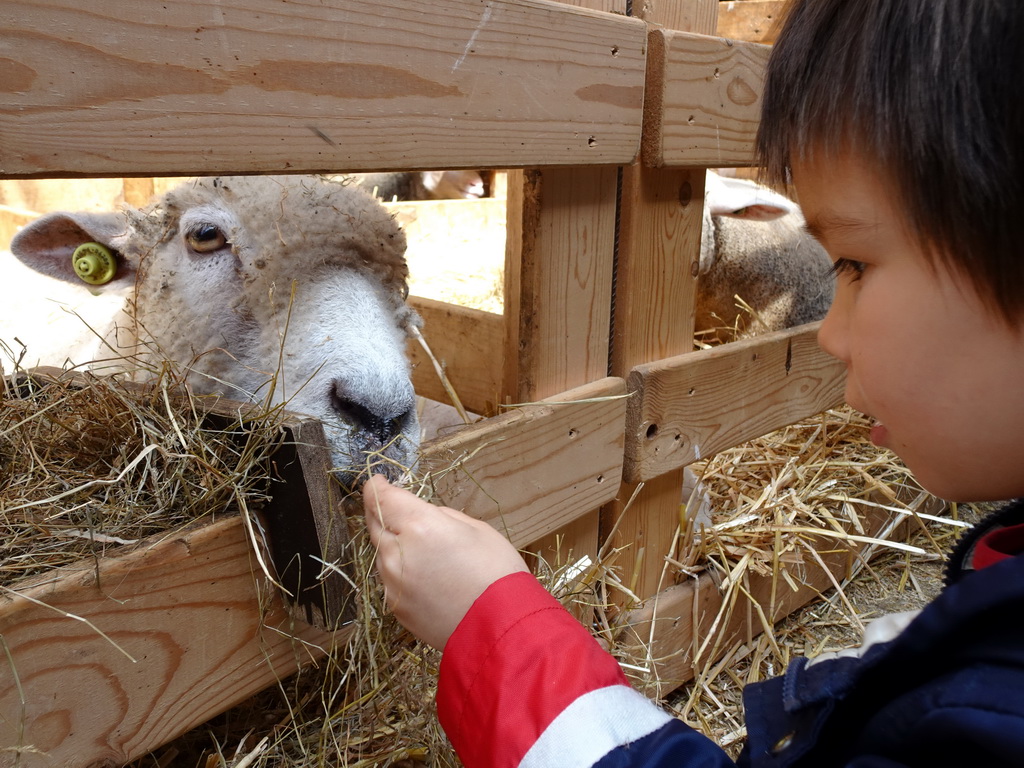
(363, 419)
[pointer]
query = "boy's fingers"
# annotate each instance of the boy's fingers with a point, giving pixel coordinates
(373, 511)
(387, 506)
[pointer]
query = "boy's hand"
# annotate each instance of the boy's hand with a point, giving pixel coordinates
(434, 561)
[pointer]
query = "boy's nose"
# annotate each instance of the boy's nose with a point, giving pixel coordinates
(832, 336)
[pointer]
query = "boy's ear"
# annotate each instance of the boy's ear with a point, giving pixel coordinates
(743, 199)
(48, 244)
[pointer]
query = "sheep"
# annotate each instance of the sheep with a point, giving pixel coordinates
(422, 185)
(273, 289)
(753, 245)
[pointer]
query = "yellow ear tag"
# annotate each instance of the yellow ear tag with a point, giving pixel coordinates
(94, 263)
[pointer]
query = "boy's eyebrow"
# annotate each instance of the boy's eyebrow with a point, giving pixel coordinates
(830, 222)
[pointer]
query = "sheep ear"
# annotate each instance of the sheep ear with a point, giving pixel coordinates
(431, 179)
(743, 199)
(47, 244)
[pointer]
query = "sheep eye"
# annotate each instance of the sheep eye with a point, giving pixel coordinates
(206, 238)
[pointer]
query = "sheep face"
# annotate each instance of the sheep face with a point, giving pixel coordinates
(274, 289)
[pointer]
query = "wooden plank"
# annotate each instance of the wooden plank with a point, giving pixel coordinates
(674, 624)
(692, 406)
(305, 526)
(535, 469)
(608, 6)
(752, 20)
(120, 88)
(703, 100)
(192, 628)
(659, 244)
(691, 15)
(468, 343)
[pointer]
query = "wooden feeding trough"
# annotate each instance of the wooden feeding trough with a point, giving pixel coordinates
(107, 658)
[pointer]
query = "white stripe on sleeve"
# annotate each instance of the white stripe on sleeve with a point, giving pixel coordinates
(594, 725)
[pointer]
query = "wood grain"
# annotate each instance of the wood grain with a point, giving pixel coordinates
(533, 470)
(608, 6)
(755, 21)
(695, 405)
(558, 276)
(560, 251)
(119, 88)
(691, 15)
(654, 315)
(203, 628)
(703, 100)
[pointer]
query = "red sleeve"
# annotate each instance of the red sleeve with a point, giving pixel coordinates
(514, 663)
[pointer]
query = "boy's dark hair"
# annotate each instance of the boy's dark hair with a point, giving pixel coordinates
(932, 91)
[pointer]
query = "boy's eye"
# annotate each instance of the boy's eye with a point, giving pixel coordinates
(847, 268)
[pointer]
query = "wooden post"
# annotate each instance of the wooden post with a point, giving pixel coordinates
(137, 192)
(659, 244)
(560, 250)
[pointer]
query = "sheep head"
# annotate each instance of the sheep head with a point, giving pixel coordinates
(753, 245)
(273, 289)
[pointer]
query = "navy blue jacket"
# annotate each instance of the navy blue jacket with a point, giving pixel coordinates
(948, 690)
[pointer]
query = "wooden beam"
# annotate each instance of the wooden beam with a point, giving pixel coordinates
(659, 243)
(703, 100)
(752, 20)
(468, 343)
(691, 15)
(538, 467)
(697, 404)
(107, 660)
(558, 277)
(124, 89)
(608, 6)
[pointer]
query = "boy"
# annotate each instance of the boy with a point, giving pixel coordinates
(901, 125)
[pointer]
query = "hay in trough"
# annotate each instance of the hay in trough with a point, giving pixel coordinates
(92, 464)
